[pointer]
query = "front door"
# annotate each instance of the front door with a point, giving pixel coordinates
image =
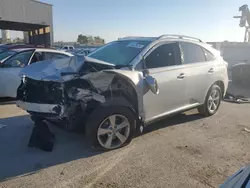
(163, 63)
(9, 73)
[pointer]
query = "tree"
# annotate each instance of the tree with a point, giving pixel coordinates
(99, 40)
(18, 40)
(90, 40)
(82, 39)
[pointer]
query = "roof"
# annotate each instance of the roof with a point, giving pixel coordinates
(42, 50)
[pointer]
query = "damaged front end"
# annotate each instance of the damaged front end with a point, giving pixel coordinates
(66, 91)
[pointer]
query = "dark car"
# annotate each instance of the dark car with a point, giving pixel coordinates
(241, 74)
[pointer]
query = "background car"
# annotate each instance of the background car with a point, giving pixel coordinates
(19, 58)
(65, 48)
(241, 74)
(7, 50)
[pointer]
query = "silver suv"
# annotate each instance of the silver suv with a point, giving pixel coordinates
(123, 86)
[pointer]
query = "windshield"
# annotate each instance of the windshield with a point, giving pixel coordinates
(6, 54)
(119, 52)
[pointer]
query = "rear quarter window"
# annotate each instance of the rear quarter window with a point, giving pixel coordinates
(191, 53)
(208, 55)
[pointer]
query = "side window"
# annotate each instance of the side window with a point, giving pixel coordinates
(71, 48)
(209, 56)
(162, 56)
(191, 53)
(19, 60)
(52, 56)
(36, 57)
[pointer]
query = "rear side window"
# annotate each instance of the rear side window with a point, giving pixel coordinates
(209, 56)
(162, 56)
(191, 53)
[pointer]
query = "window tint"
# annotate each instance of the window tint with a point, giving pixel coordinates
(18, 60)
(52, 56)
(71, 48)
(6, 54)
(119, 52)
(37, 57)
(209, 56)
(162, 56)
(191, 53)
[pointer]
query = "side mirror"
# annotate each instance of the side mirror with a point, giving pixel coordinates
(152, 84)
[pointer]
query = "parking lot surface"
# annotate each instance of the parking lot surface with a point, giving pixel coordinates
(182, 151)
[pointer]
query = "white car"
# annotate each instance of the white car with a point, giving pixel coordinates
(65, 48)
(11, 66)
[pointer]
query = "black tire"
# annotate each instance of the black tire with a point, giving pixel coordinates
(99, 115)
(204, 109)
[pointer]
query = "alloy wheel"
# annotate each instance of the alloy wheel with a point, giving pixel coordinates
(113, 131)
(213, 101)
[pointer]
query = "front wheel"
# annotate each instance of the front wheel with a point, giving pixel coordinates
(212, 102)
(110, 127)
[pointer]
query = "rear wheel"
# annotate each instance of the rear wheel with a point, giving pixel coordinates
(212, 102)
(110, 127)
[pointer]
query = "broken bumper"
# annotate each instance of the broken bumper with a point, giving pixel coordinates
(52, 109)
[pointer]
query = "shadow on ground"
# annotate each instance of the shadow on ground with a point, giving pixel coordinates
(17, 159)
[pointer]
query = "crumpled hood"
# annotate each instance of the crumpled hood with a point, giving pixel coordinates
(52, 70)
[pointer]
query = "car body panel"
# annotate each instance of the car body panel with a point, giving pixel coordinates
(169, 97)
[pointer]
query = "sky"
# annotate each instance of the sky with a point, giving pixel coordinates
(210, 20)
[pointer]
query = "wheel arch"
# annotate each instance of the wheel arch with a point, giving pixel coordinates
(220, 84)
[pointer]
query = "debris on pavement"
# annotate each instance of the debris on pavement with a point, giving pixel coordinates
(236, 98)
(247, 130)
(42, 137)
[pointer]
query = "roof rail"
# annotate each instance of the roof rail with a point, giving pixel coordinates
(178, 36)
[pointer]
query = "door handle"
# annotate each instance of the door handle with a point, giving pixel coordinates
(211, 70)
(181, 76)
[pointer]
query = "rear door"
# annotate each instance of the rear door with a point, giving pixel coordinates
(199, 67)
(163, 63)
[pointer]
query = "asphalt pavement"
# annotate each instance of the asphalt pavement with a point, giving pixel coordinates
(182, 151)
